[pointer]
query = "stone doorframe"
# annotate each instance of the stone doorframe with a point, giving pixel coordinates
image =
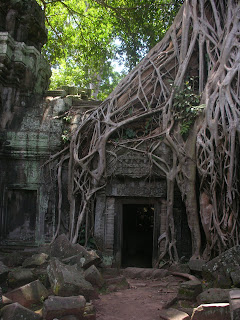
(118, 224)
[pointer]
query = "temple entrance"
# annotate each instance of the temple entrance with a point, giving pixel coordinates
(137, 235)
(21, 215)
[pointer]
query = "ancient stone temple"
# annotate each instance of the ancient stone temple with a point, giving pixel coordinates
(30, 131)
(130, 212)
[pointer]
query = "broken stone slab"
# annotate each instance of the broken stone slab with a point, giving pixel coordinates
(171, 313)
(56, 307)
(189, 290)
(15, 311)
(29, 294)
(19, 277)
(42, 275)
(212, 311)
(67, 281)
(93, 276)
(4, 301)
(3, 272)
(70, 253)
(83, 260)
(234, 301)
(196, 265)
(223, 269)
(213, 295)
(36, 260)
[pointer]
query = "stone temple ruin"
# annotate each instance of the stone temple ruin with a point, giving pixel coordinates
(129, 212)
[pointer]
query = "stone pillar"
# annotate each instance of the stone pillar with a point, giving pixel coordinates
(163, 223)
(99, 220)
(109, 225)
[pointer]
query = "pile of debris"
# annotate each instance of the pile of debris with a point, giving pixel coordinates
(57, 283)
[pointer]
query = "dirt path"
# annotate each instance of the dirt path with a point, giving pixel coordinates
(142, 301)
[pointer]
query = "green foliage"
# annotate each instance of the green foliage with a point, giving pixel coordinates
(85, 37)
(186, 105)
(66, 136)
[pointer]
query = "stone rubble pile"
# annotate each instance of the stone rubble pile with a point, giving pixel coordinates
(59, 282)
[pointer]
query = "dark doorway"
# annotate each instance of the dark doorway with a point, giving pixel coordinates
(21, 215)
(137, 240)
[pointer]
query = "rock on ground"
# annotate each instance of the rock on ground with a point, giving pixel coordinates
(55, 307)
(15, 311)
(68, 281)
(213, 311)
(29, 294)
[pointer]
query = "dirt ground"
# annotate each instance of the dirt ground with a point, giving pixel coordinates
(142, 301)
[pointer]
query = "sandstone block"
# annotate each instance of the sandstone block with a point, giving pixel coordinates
(213, 295)
(175, 314)
(189, 290)
(68, 281)
(36, 260)
(20, 277)
(57, 307)
(213, 311)
(15, 311)
(223, 269)
(29, 294)
(234, 300)
(93, 276)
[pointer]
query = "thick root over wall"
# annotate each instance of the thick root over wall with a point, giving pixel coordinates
(202, 46)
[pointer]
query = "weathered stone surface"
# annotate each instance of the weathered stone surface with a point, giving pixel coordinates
(213, 295)
(42, 275)
(56, 307)
(214, 311)
(68, 281)
(15, 311)
(4, 301)
(175, 314)
(189, 290)
(234, 300)
(70, 253)
(3, 272)
(36, 260)
(93, 276)
(223, 269)
(29, 294)
(196, 265)
(19, 277)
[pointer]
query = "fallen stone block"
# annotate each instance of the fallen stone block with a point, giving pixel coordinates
(4, 301)
(15, 311)
(72, 254)
(57, 307)
(29, 294)
(213, 311)
(170, 314)
(196, 265)
(36, 260)
(234, 300)
(20, 277)
(67, 281)
(189, 290)
(224, 269)
(213, 295)
(93, 276)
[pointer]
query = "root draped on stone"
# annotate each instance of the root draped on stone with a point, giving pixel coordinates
(203, 43)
